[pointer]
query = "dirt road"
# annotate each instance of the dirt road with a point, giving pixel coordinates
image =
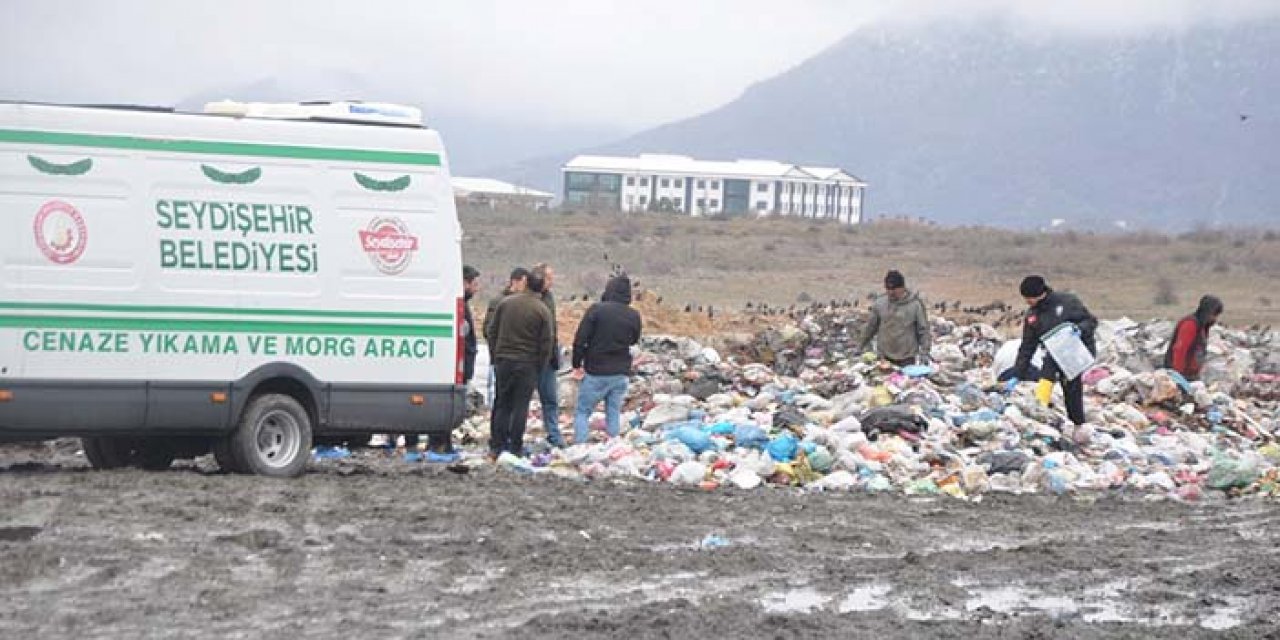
(376, 548)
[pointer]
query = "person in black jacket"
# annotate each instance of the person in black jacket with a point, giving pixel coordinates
(602, 356)
(440, 445)
(1048, 309)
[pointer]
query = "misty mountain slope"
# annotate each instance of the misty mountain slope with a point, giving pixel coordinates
(981, 122)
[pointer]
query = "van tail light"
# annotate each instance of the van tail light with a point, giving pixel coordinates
(460, 352)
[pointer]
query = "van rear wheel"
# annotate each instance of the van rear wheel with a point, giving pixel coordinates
(273, 437)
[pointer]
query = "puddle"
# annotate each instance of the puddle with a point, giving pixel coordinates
(1019, 599)
(795, 601)
(1151, 526)
(870, 597)
(1226, 617)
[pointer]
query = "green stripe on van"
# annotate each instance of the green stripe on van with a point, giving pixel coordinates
(230, 311)
(222, 326)
(211, 147)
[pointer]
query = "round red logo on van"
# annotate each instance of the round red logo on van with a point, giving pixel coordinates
(61, 232)
(389, 245)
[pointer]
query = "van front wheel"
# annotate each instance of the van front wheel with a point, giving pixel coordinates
(273, 437)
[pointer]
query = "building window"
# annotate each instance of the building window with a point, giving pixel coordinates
(762, 186)
(762, 206)
(679, 184)
(644, 200)
(665, 183)
(631, 181)
(644, 182)
(679, 203)
(702, 203)
(715, 184)
(702, 184)
(715, 203)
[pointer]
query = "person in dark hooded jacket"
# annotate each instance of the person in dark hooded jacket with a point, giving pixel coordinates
(602, 356)
(1190, 339)
(1048, 309)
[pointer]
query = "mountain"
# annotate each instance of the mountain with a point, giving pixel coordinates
(475, 142)
(987, 122)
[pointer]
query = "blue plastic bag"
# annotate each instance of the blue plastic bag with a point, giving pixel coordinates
(721, 429)
(783, 448)
(750, 436)
(691, 436)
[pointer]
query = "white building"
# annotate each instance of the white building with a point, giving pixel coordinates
(491, 194)
(652, 182)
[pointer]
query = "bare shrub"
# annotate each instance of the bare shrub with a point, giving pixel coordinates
(1221, 266)
(1166, 295)
(804, 298)
(663, 230)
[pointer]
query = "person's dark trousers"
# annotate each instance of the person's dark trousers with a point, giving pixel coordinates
(516, 382)
(1073, 394)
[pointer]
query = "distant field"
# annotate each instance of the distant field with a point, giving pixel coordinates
(727, 263)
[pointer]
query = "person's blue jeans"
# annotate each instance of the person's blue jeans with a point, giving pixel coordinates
(548, 384)
(611, 389)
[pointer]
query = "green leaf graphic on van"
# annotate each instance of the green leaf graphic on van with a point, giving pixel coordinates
(248, 176)
(77, 168)
(374, 184)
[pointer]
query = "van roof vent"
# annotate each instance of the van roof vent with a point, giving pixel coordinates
(338, 111)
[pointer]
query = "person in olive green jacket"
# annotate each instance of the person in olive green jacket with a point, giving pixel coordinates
(521, 344)
(899, 324)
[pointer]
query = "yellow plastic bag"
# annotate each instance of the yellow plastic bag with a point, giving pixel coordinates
(1044, 392)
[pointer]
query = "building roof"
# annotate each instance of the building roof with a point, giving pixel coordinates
(685, 165)
(466, 186)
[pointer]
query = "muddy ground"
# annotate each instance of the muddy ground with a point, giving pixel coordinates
(377, 548)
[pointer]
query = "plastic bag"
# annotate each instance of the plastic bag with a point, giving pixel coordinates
(1228, 473)
(690, 436)
(783, 448)
(750, 436)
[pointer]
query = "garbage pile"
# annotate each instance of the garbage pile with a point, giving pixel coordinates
(798, 406)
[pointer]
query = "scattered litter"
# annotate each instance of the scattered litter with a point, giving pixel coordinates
(330, 453)
(712, 541)
(800, 405)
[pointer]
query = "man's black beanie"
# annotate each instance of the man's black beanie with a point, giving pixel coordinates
(1033, 287)
(894, 280)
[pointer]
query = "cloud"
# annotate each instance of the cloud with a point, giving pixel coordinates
(596, 62)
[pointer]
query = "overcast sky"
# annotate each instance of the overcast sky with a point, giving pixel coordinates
(617, 63)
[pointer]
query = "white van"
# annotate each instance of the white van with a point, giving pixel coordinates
(239, 281)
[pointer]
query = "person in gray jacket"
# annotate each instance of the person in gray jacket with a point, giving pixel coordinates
(899, 324)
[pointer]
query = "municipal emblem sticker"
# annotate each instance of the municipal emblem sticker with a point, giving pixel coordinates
(389, 245)
(61, 232)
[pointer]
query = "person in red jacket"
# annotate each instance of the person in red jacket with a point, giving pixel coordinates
(1191, 337)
